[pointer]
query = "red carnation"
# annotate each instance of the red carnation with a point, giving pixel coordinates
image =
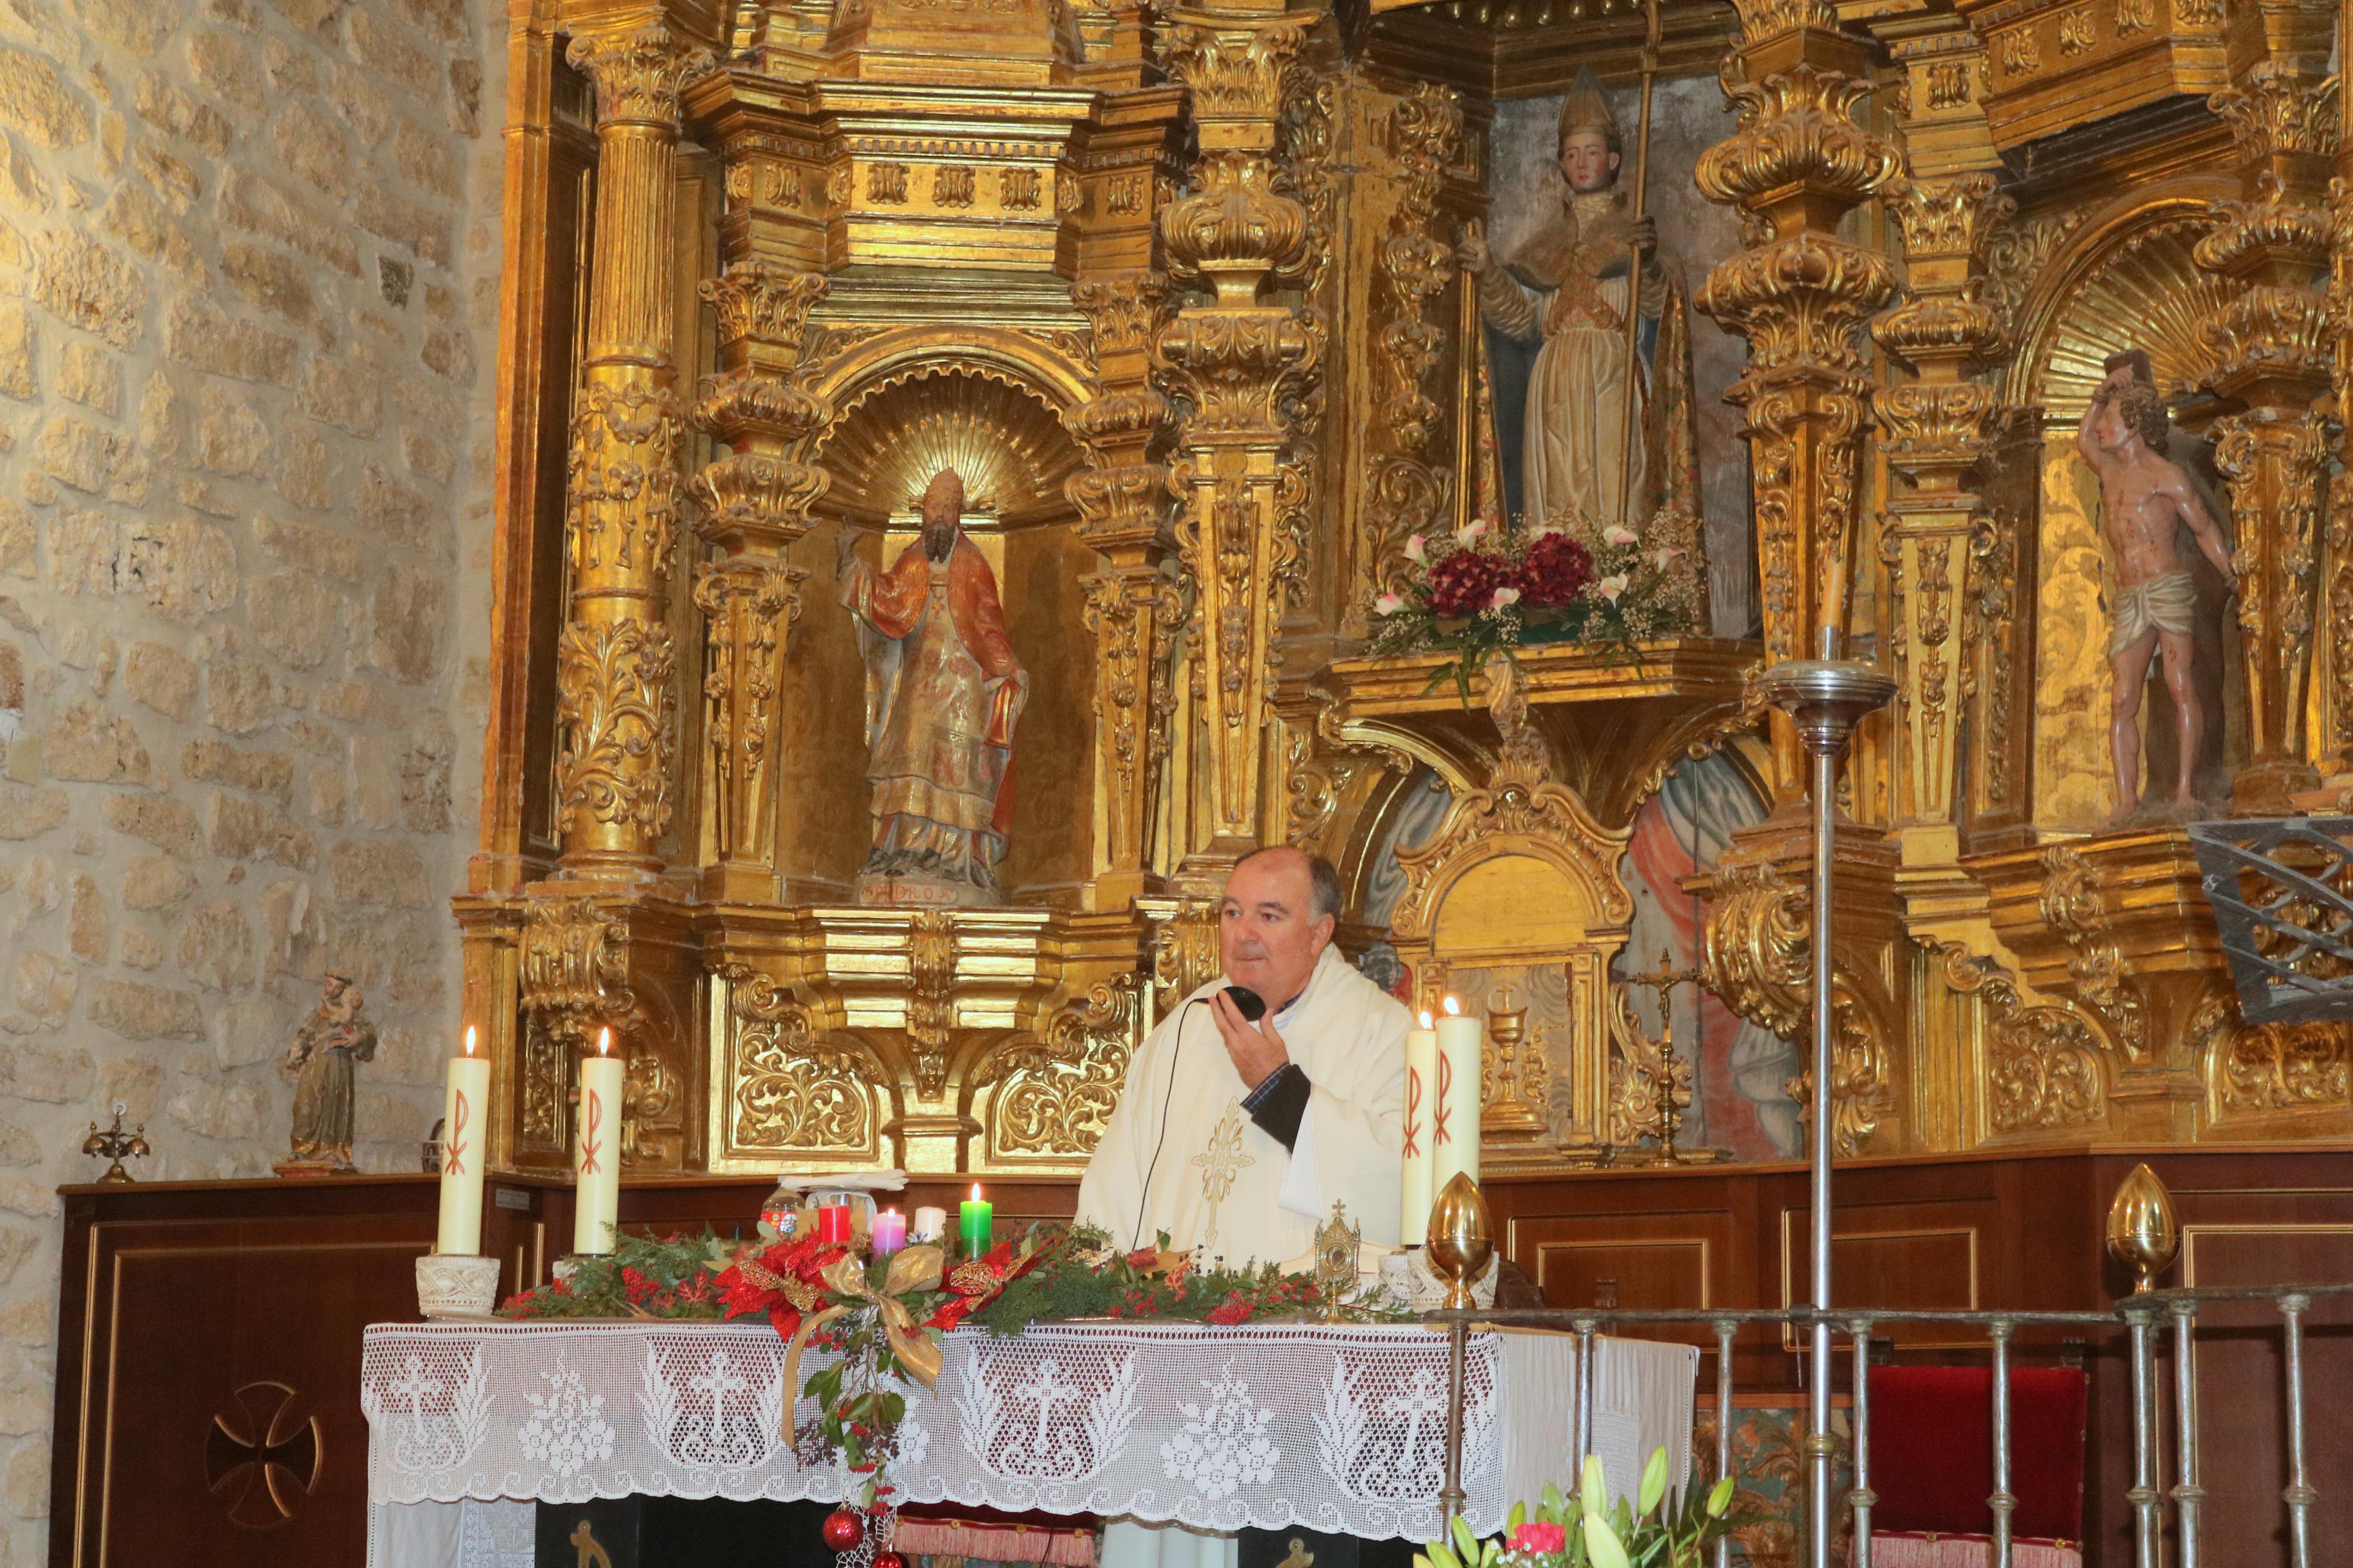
(1555, 570)
(1463, 583)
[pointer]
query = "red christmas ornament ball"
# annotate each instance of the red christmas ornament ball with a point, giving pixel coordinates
(844, 1530)
(888, 1560)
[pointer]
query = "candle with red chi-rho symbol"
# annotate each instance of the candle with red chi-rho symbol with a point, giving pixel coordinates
(1454, 1113)
(464, 1109)
(1421, 1085)
(597, 1151)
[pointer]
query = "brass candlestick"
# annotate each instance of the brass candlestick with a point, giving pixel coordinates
(1670, 1086)
(2142, 1231)
(1461, 1239)
(115, 1144)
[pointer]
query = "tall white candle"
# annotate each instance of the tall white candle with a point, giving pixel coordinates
(1420, 1084)
(465, 1129)
(597, 1151)
(1455, 1137)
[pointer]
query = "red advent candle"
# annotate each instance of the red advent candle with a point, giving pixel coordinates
(833, 1224)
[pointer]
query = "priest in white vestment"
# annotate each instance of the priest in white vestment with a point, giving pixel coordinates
(1236, 1139)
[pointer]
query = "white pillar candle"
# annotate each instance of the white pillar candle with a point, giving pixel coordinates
(465, 1136)
(597, 1151)
(1420, 1084)
(1454, 1138)
(931, 1225)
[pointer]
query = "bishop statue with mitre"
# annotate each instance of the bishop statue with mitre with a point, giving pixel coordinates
(1234, 1138)
(943, 688)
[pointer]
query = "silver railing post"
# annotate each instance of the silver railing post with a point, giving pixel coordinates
(2187, 1492)
(1584, 1409)
(2003, 1502)
(1825, 699)
(1726, 1328)
(2298, 1494)
(2148, 1519)
(1861, 1496)
(1451, 1499)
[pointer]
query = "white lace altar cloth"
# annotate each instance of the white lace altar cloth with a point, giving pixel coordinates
(1333, 1428)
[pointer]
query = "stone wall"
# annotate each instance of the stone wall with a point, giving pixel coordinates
(248, 264)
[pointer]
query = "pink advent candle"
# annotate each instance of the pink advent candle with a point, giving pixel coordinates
(463, 1123)
(889, 1233)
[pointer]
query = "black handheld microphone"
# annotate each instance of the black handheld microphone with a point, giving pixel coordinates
(1247, 1002)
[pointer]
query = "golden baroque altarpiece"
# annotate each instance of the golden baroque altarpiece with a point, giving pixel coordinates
(1176, 290)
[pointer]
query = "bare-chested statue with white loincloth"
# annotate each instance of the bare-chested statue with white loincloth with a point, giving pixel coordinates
(2144, 499)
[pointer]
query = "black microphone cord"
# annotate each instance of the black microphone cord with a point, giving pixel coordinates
(1176, 1051)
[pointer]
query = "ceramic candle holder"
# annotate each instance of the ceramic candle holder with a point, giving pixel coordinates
(456, 1287)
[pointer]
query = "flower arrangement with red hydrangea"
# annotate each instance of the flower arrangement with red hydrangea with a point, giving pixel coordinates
(1586, 1532)
(883, 1317)
(1484, 589)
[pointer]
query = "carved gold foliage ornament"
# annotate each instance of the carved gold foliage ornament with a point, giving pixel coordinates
(2278, 110)
(2287, 560)
(748, 605)
(793, 1088)
(1406, 493)
(624, 488)
(2073, 905)
(1235, 71)
(2043, 1069)
(638, 74)
(931, 996)
(1994, 598)
(1862, 1074)
(615, 708)
(2271, 1071)
(764, 302)
(1755, 948)
(1056, 1090)
(575, 972)
(1637, 1063)
(1126, 311)
(1184, 956)
(1762, 20)
(1797, 128)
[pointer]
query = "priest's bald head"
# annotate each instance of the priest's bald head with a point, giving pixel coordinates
(1280, 907)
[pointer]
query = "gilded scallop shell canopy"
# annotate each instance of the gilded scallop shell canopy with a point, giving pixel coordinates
(1011, 450)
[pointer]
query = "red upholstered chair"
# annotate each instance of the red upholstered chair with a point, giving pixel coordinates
(1932, 1466)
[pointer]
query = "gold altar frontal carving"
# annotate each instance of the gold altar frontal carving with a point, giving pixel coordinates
(881, 828)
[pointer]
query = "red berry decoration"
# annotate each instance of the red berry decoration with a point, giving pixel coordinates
(844, 1530)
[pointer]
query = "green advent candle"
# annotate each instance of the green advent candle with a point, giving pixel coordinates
(976, 1223)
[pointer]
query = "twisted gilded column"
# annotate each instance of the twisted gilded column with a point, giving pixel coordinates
(755, 503)
(1123, 503)
(615, 661)
(1937, 531)
(1798, 163)
(2270, 350)
(1242, 359)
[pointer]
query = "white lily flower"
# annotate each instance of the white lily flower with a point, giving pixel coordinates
(1618, 533)
(1414, 551)
(1504, 598)
(1388, 603)
(1612, 585)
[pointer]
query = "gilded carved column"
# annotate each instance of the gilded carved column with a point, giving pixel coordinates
(2270, 351)
(1242, 359)
(1801, 295)
(1123, 503)
(2337, 736)
(1934, 430)
(614, 662)
(755, 503)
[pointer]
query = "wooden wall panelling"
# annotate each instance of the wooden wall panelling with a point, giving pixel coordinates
(209, 1357)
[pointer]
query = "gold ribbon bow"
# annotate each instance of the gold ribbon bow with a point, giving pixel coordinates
(915, 1269)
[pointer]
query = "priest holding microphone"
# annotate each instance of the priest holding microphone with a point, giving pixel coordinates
(1260, 1101)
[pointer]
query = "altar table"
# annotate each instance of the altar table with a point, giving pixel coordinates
(1337, 1428)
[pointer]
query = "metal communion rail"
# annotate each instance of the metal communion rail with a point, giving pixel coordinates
(2143, 1317)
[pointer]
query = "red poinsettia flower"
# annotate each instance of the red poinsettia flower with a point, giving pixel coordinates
(1230, 1313)
(783, 1282)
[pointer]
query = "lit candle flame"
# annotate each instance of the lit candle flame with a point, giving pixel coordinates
(1425, 1018)
(976, 1192)
(604, 1041)
(1453, 1008)
(470, 1039)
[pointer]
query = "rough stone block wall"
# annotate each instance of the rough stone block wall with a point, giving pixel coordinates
(248, 264)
